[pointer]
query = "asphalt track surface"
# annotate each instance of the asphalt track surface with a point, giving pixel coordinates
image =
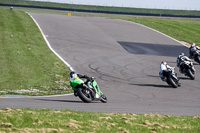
(124, 58)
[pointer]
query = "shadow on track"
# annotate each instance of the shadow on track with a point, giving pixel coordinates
(69, 101)
(154, 76)
(196, 64)
(152, 85)
(153, 49)
(184, 78)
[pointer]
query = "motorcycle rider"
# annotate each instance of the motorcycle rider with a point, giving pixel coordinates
(192, 49)
(181, 60)
(163, 70)
(75, 76)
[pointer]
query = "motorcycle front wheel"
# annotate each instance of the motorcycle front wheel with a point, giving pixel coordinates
(198, 59)
(103, 98)
(190, 74)
(172, 82)
(84, 95)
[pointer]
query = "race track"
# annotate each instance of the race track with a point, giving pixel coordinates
(124, 58)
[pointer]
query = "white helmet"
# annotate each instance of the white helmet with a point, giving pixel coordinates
(164, 62)
(193, 45)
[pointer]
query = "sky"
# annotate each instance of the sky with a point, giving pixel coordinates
(158, 4)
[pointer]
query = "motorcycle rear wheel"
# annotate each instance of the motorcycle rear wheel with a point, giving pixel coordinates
(84, 96)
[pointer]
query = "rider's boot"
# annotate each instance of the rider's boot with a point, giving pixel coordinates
(75, 93)
(96, 96)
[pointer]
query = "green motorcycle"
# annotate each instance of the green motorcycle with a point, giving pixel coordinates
(87, 91)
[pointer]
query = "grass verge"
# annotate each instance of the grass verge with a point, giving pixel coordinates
(27, 64)
(180, 29)
(45, 120)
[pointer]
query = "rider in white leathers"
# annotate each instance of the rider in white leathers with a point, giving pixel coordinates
(163, 67)
(181, 60)
(192, 49)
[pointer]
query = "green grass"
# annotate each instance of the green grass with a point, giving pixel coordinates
(26, 61)
(101, 8)
(45, 120)
(182, 30)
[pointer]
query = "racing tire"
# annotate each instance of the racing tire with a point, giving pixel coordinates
(103, 98)
(198, 59)
(190, 74)
(172, 82)
(87, 98)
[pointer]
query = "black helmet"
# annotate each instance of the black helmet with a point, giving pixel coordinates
(182, 54)
(72, 74)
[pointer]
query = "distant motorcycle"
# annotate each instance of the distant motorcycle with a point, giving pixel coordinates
(171, 77)
(188, 69)
(88, 91)
(196, 56)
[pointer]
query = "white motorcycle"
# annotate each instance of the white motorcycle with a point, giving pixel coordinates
(188, 69)
(171, 77)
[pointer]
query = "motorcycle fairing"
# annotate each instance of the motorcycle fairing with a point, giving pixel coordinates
(75, 82)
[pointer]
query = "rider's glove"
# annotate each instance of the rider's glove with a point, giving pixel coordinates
(92, 79)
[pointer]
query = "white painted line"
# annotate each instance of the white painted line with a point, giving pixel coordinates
(68, 65)
(36, 96)
(157, 32)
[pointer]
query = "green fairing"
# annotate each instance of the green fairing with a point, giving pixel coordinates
(76, 82)
(96, 87)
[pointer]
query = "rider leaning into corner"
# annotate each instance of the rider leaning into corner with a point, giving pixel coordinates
(163, 68)
(75, 76)
(192, 49)
(163, 71)
(181, 59)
